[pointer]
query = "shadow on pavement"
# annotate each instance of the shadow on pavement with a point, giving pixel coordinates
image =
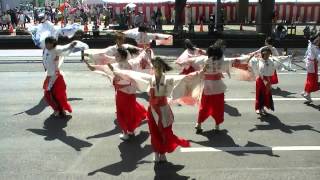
(275, 123)
(53, 129)
(282, 93)
(131, 154)
(111, 132)
(221, 140)
(232, 111)
(37, 109)
(310, 104)
(168, 171)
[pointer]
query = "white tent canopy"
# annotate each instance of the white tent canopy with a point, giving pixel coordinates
(198, 1)
(94, 1)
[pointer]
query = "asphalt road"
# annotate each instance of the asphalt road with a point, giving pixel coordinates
(283, 145)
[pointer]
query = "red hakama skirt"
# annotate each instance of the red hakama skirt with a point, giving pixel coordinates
(311, 84)
(129, 112)
(57, 97)
(263, 95)
(212, 105)
(274, 78)
(162, 138)
(187, 70)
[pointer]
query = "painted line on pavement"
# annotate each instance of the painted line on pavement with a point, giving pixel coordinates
(274, 99)
(248, 149)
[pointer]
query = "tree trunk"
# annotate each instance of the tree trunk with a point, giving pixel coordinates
(179, 7)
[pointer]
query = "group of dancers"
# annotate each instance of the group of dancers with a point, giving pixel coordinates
(133, 69)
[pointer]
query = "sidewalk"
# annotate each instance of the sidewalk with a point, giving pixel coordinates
(35, 55)
(249, 28)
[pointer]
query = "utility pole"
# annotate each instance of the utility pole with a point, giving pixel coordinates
(242, 10)
(264, 16)
(219, 25)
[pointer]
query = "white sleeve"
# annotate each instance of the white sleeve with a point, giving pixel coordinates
(132, 34)
(275, 52)
(138, 79)
(130, 46)
(253, 63)
(317, 54)
(63, 50)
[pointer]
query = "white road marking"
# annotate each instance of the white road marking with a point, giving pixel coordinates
(248, 149)
(274, 99)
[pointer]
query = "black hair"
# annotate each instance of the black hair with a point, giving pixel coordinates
(215, 52)
(51, 40)
(269, 40)
(133, 50)
(220, 43)
(142, 29)
(314, 37)
(120, 35)
(165, 66)
(123, 52)
(266, 49)
(188, 44)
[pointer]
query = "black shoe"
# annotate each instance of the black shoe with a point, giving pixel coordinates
(199, 130)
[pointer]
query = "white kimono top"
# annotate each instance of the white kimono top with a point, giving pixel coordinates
(185, 59)
(262, 67)
(159, 95)
(213, 83)
(312, 55)
(111, 50)
(124, 84)
(52, 61)
(144, 39)
(158, 100)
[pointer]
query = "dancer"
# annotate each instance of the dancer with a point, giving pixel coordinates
(274, 52)
(160, 116)
(264, 68)
(311, 58)
(190, 52)
(129, 112)
(212, 96)
(54, 85)
(206, 87)
(45, 36)
(143, 38)
(105, 56)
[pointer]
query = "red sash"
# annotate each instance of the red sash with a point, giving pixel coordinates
(213, 77)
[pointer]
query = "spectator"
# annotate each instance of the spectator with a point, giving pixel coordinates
(153, 20)
(173, 16)
(106, 17)
(21, 18)
(36, 16)
(84, 17)
(65, 15)
(8, 19)
(13, 18)
(281, 32)
(132, 16)
(313, 31)
(306, 32)
(159, 19)
(139, 19)
(55, 16)
(1, 23)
